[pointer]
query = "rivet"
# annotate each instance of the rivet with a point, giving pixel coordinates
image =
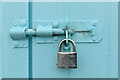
(23, 44)
(56, 38)
(23, 23)
(15, 24)
(16, 44)
(55, 24)
(94, 39)
(94, 24)
(44, 24)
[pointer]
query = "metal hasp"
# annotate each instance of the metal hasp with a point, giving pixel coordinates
(46, 32)
(67, 59)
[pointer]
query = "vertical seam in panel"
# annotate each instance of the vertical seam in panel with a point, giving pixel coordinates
(30, 39)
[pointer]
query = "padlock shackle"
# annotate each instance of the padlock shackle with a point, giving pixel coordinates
(62, 41)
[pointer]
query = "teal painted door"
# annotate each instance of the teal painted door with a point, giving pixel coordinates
(95, 59)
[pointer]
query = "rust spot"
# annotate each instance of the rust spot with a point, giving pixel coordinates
(80, 31)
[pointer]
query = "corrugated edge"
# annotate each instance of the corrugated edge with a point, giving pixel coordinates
(119, 39)
(0, 40)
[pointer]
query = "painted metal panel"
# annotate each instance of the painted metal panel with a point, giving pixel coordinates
(95, 60)
(15, 60)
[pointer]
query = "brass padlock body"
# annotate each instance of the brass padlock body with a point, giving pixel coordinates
(67, 59)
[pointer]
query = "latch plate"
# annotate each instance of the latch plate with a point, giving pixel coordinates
(20, 40)
(85, 31)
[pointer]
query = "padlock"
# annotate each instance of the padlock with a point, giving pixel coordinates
(67, 59)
